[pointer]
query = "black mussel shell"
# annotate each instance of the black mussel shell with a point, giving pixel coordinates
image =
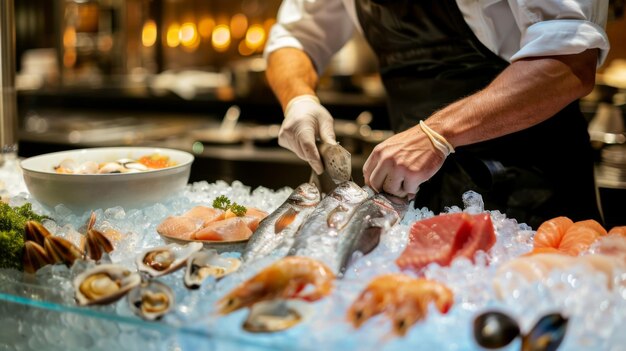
(493, 330)
(547, 334)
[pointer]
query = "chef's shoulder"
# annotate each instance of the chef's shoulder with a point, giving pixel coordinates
(516, 29)
(319, 27)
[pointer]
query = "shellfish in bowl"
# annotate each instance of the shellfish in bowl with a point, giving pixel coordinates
(206, 263)
(162, 260)
(104, 284)
(151, 300)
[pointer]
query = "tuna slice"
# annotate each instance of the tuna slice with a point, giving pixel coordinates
(442, 238)
(433, 240)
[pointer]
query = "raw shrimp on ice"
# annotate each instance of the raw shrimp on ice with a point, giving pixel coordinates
(292, 277)
(405, 300)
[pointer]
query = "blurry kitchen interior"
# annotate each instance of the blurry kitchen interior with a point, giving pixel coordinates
(189, 74)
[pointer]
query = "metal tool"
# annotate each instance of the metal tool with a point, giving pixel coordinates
(337, 167)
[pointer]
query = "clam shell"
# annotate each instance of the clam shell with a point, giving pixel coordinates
(275, 315)
(165, 259)
(203, 264)
(36, 232)
(35, 257)
(151, 300)
(104, 284)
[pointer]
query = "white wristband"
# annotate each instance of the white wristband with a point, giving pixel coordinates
(301, 98)
(438, 140)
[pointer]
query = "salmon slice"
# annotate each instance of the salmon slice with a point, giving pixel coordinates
(580, 235)
(250, 212)
(206, 214)
(230, 229)
(433, 239)
(179, 227)
(618, 231)
(550, 233)
(540, 250)
(481, 237)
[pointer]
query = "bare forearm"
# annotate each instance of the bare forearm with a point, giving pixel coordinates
(290, 73)
(524, 94)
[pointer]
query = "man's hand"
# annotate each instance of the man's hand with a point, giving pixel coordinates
(305, 121)
(401, 163)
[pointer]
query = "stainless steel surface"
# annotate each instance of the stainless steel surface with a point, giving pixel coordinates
(8, 98)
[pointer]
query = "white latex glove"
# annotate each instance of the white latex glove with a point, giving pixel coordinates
(305, 121)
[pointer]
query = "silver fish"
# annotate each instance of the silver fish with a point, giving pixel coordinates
(328, 218)
(283, 222)
(362, 233)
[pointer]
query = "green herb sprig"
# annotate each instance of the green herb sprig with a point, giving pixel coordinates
(223, 203)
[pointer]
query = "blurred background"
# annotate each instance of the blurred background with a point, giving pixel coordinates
(189, 74)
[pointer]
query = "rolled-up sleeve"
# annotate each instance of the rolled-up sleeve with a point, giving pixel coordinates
(558, 27)
(318, 27)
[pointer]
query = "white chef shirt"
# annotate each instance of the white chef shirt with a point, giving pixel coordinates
(512, 29)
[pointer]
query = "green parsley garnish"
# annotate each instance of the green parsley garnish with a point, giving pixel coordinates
(223, 203)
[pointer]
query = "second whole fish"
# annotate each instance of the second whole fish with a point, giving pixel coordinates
(283, 222)
(318, 234)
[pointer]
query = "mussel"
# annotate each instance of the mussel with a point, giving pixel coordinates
(547, 334)
(493, 330)
(203, 264)
(165, 259)
(104, 284)
(151, 300)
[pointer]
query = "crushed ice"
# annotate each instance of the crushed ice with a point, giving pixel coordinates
(596, 313)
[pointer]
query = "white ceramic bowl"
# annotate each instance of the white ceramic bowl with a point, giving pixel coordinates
(84, 192)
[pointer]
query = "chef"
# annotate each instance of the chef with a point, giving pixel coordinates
(482, 94)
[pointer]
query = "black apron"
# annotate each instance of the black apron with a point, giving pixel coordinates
(429, 58)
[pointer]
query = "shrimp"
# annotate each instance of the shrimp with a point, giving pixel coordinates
(404, 300)
(286, 278)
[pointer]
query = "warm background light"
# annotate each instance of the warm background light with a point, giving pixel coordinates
(172, 37)
(205, 27)
(238, 25)
(149, 33)
(255, 36)
(221, 37)
(188, 35)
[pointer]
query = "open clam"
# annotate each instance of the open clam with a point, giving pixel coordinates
(203, 264)
(275, 315)
(104, 284)
(165, 259)
(151, 300)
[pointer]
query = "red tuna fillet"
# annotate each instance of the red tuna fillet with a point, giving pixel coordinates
(481, 237)
(433, 240)
(442, 238)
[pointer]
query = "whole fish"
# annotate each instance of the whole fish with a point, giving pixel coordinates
(283, 222)
(329, 217)
(362, 233)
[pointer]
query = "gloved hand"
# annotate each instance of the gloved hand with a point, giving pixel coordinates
(305, 121)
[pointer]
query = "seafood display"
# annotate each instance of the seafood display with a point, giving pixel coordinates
(341, 270)
(124, 165)
(403, 299)
(282, 224)
(442, 238)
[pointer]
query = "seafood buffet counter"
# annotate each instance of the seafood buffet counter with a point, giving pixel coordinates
(572, 303)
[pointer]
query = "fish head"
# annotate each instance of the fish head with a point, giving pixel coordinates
(349, 193)
(305, 195)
